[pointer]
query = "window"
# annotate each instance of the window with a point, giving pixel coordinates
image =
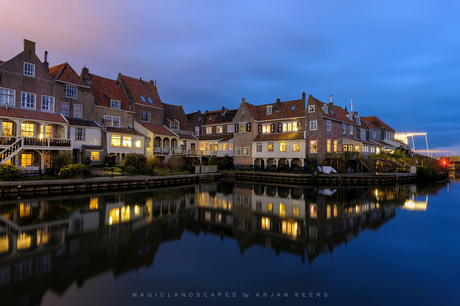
(270, 147)
(363, 134)
(335, 145)
(311, 108)
(312, 125)
(282, 210)
(26, 159)
(238, 151)
(197, 131)
(29, 70)
(328, 147)
(269, 109)
(343, 128)
(78, 111)
(138, 143)
(328, 211)
(243, 127)
(230, 128)
(71, 91)
(295, 211)
(219, 129)
(313, 210)
(246, 151)
(28, 100)
(224, 146)
(127, 141)
(313, 232)
(292, 107)
(79, 134)
(94, 155)
(65, 108)
(146, 116)
(265, 223)
(7, 128)
(282, 146)
(220, 146)
(47, 104)
(313, 146)
(230, 146)
(209, 130)
(115, 104)
(174, 125)
(287, 127)
(6, 96)
(27, 129)
(329, 125)
(270, 207)
(296, 146)
(259, 147)
(112, 121)
(351, 130)
(116, 141)
(143, 99)
(150, 100)
(266, 128)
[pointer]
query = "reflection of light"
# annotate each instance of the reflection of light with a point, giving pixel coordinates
(411, 204)
(24, 241)
(4, 244)
(110, 220)
(376, 192)
(136, 210)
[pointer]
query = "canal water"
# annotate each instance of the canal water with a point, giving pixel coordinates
(234, 243)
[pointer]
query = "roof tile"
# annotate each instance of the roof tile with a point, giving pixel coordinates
(142, 88)
(105, 89)
(65, 73)
(31, 114)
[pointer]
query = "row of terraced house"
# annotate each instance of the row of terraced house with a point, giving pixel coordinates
(46, 110)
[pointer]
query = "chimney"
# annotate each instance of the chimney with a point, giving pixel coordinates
(303, 96)
(278, 103)
(242, 100)
(84, 75)
(330, 99)
(47, 65)
(29, 48)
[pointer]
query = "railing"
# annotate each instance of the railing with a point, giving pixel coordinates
(274, 168)
(11, 150)
(7, 140)
(46, 142)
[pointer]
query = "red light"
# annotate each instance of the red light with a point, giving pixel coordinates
(444, 162)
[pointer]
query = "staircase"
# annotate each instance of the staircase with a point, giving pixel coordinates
(168, 156)
(367, 164)
(11, 151)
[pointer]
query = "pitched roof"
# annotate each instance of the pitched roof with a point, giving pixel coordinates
(1, 63)
(337, 113)
(82, 122)
(287, 109)
(139, 88)
(282, 136)
(31, 114)
(176, 113)
(368, 124)
(105, 89)
(224, 137)
(157, 129)
(120, 130)
(65, 73)
(219, 116)
(377, 122)
(191, 117)
(253, 110)
(187, 136)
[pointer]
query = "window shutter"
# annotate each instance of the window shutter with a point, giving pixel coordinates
(299, 125)
(248, 126)
(272, 127)
(237, 127)
(260, 128)
(280, 127)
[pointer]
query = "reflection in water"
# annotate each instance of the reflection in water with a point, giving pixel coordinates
(50, 244)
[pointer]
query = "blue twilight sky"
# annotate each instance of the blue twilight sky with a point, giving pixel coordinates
(400, 60)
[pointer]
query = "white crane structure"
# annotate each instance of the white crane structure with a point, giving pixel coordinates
(404, 137)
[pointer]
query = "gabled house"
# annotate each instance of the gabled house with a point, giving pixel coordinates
(384, 134)
(195, 120)
(32, 129)
(176, 120)
(217, 132)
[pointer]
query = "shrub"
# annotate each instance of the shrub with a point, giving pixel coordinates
(136, 160)
(75, 171)
(212, 161)
(130, 169)
(426, 173)
(8, 172)
(62, 159)
(175, 163)
(152, 162)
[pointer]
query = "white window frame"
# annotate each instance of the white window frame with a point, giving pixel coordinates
(344, 128)
(146, 116)
(230, 128)
(238, 151)
(80, 134)
(313, 144)
(51, 101)
(112, 120)
(329, 125)
(294, 145)
(269, 109)
(246, 151)
(32, 97)
(174, 125)
(7, 96)
(259, 147)
(273, 147)
(75, 106)
(209, 130)
(197, 131)
(29, 70)
(219, 129)
(313, 125)
(311, 108)
(282, 146)
(65, 108)
(115, 104)
(351, 130)
(71, 91)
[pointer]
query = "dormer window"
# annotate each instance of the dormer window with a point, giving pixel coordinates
(325, 109)
(115, 104)
(358, 120)
(150, 100)
(174, 126)
(293, 108)
(311, 108)
(143, 99)
(269, 109)
(210, 118)
(29, 70)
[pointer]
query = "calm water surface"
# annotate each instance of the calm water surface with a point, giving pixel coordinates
(234, 243)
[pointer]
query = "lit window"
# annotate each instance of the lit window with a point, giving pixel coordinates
(311, 108)
(265, 223)
(313, 211)
(270, 207)
(219, 129)
(138, 143)
(313, 125)
(266, 128)
(230, 146)
(27, 129)
(127, 141)
(80, 134)
(28, 100)
(116, 141)
(6, 96)
(328, 211)
(313, 146)
(7, 128)
(78, 111)
(114, 216)
(29, 70)
(4, 245)
(24, 241)
(246, 151)
(146, 116)
(335, 145)
(26, 159)
(289, 228)
(125, 214)
(282, 147)
(94, 155)
(209, 130)
(71, 91)
(296, 146)
(115, 104)
(270, 146)
(282, 210)
(295, 211)
(65, 108)
(224, 146)
(328, 147)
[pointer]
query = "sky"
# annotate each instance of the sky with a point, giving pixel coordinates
(399, 60)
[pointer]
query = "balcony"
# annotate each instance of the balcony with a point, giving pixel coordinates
(34, 142)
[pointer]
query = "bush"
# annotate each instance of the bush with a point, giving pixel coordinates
(75, 171)
(152, 162)
(426, 173)
(62, 159)
(8, 172)
(175, 163)
(136, 160)
(130, 169)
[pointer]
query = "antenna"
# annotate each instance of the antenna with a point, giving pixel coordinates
(351, 104)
